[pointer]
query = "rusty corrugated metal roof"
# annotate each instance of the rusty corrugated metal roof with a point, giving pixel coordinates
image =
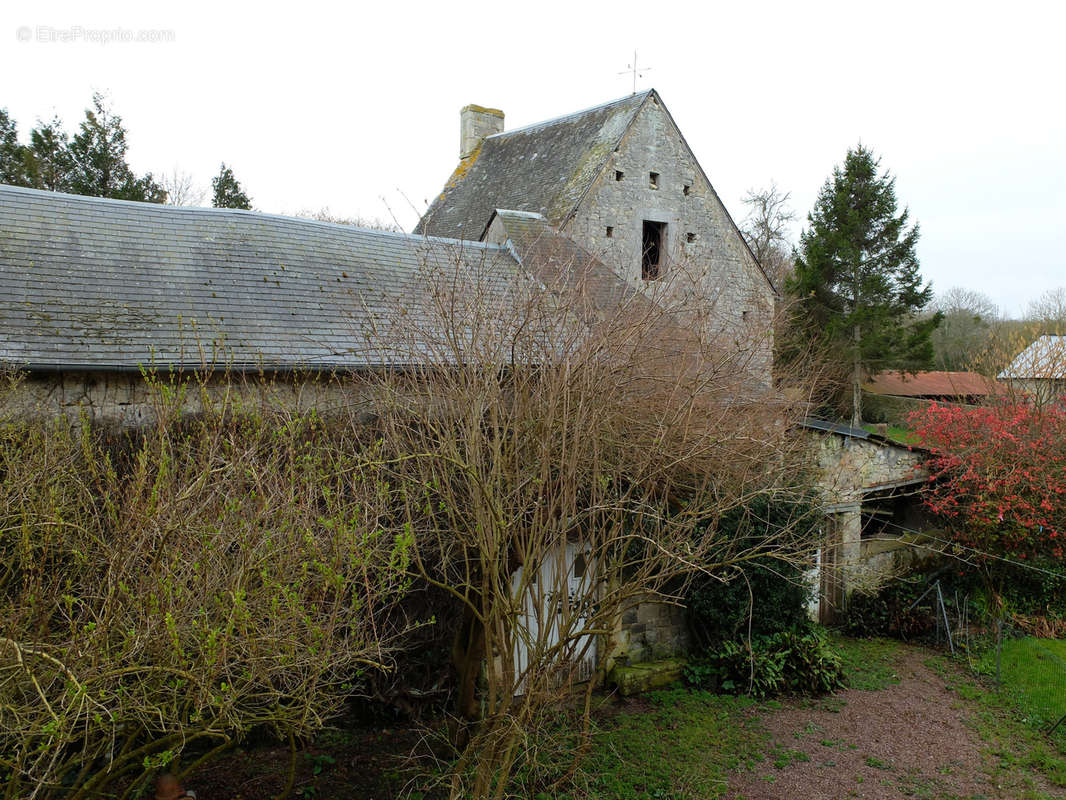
(934, 384)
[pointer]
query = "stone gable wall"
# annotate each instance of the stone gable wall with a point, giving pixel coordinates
(715, 269)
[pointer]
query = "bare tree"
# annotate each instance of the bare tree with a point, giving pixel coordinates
(182, 189)
(1009, 338)
(1049, 311)
(965, 331)
(563, 449)
(372, 223)
(766, 229)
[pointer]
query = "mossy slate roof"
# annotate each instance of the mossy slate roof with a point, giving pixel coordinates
(88, 283)
(544, 168)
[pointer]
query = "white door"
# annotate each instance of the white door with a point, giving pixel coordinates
(554, 599)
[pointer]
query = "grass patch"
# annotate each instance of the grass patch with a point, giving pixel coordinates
(896, 433)
(685, 745)
(877, 763)
(869, 664)
(1033, 673)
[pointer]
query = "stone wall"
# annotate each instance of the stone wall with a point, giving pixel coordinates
(1039, 391)
(650, 630)
(846, 465)
(706, 260)
(880, 561)
(128, 399)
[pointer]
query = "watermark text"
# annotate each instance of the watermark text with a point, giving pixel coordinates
(78, 34)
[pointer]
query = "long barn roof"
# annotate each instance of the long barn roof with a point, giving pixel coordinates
(90, 283)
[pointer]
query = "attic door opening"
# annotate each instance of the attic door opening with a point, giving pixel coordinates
(652, 249)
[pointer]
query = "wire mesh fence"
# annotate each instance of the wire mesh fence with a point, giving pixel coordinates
(1021, 655)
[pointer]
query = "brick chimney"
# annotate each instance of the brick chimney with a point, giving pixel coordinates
(475, 123)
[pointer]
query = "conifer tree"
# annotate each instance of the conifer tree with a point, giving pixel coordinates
(98, 159)
(856, 282)
(12, 154)
(48, 163)
(228, 192)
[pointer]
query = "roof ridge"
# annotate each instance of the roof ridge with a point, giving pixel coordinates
(574, 114)
(48, 195)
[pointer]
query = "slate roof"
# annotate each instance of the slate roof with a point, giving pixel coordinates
(559, 262)
(1044, 359)
(544, 168)
(933, 384)
(847, 431)
(840, 428)
(88, 283)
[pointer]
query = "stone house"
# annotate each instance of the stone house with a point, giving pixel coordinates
(869, 486)
(95, 292)
(620, 181)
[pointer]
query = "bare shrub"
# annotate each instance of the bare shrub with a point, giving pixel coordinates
(182, 585)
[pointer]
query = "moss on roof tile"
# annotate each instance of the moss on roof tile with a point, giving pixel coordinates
(544, 168)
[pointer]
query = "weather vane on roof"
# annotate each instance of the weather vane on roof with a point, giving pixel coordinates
(637, 73)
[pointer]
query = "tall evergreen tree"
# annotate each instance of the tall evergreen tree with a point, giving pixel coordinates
(12, 154)
(856, 281)
(98, 156)
(49, 164)
(228, 192)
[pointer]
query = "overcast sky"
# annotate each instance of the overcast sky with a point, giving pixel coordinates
(356, 107)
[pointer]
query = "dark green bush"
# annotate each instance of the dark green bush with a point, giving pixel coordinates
(718, 612)
(1033, 592)
(782, 663)
(773, 592)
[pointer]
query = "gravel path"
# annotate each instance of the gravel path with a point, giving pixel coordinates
(911, 739)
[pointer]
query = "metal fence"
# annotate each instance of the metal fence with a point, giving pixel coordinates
(1030, 668)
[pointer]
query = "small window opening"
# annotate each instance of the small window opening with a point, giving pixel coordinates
(610, 231)
(690, 237)
(652, 250)
(686, 189)
(653, 180)
(579, 565)
(618, 174)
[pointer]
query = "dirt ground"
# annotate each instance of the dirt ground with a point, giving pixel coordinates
(915, 738)
(911, 739)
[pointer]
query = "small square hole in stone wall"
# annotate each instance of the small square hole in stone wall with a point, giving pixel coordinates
(690, 237)
(610, 231)
(618, 174)
(653, 180)
(686, 189)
